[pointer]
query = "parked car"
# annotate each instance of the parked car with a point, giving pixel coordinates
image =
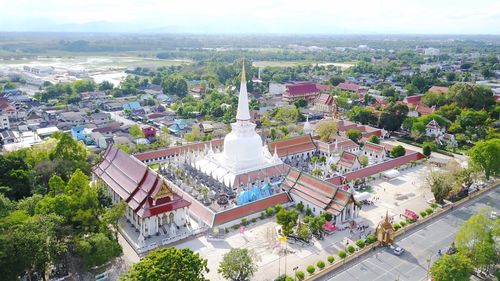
(397, 250)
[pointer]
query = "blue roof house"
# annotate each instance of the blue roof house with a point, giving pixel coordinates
(78, 133)
(132, 105)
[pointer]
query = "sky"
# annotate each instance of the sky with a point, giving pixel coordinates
(254, 16)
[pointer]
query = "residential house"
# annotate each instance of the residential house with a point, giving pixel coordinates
(108, 129)
(134, 105)
(349, 87)
(99, 140)
(4, 122)
(112, 106)
(206, 127)
(305, 90)
(75, 118)
(7, 136)
(6, 108)
(34, 119)
(178, 126)
(100, 118)
(46, 132)
(149, 133)
(78, 133)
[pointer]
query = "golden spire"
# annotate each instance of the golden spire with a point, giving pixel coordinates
(243, 74)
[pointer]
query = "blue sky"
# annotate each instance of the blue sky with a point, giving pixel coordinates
(254, 16)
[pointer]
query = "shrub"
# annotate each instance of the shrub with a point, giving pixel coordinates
(284, 277)
(351, 249)
(234, 227)
(434, 205)
(300, 275)
(396, 226)
(300, 207)
(423, 214)
(310, 269)
(409, 221)
(262, 215)
(360, 243)
(320, 264)
(270, 211)
(254, 220)
(330, 259)
(244, 221)
(226, 230)
(327, 216)
(402, 223)
(278, 208)
(306, 219)
(342, 254)
(429, 211)
(308, 212)
(370, 239)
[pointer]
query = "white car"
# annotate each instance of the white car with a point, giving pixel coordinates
(398, 251)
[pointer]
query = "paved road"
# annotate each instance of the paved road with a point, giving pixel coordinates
(420, 244)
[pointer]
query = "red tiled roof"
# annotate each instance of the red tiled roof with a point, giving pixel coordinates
(384, 166)
(324, 88)
(150, 155)
(347, 159)
(413, 100)
(424, 109)
(250, 208)
(373, 147)
(349, 87)
(318, 192)
(301, 88)
(134, 182)
(293, 145)
(325, 99)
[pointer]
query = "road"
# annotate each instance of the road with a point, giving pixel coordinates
(421, 244)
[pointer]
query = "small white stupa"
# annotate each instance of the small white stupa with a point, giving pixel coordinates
(244, 151)
(308, 128)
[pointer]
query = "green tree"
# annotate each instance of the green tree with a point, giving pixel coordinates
(363, 115)
(393, 116)
(398, 151)
(477, 238)
(113, 215)
(300, 103)
(452, 267)
(486, 154)
(105, 85)
(374, 139)
(471, 96)
(441, 184)
(96, 249)
(81, 86)
(363, 160)
(327, 130)
(354, 135)
(316, 224)
(136, 131)
(169, 264)
(426, 150)
(434, 99)
(287, 219)
(238, 265)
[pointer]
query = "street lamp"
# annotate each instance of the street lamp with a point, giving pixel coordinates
(295, 272)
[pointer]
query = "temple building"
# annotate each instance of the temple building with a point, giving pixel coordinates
(152, 206)
(243, 152)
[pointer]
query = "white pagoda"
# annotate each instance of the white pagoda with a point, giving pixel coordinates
(243, 152)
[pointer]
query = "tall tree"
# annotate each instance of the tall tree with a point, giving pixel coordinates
(168, 264)
(326, 130)
(452, 267)
(486, 154)
(441, 184)
(238, 265)
(287, 219)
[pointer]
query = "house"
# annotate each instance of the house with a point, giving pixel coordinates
(99, 140)
(78, 133)
(75, 118)
(206, 127)
(34, 119)
(112, 106)
(417, 107)
(149, 133)
(7, 109)
(305, 90)
(348, 162)
(135, 105)
(432, 129)
(325, 103)
(46, 132)
(178, 126)
(108, 129)
(349, 87)
(6, 137)
(375, 152)
(4, 122)
(100, 118)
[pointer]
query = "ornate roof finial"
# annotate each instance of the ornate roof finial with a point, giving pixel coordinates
(243, 112)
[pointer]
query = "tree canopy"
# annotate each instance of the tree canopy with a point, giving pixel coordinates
(486, 154)
(326, 130)
(168, 264)
(238, 265)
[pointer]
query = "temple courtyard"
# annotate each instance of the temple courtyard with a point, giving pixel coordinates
(407, 191)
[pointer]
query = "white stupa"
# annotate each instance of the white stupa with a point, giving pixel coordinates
(244, 151)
